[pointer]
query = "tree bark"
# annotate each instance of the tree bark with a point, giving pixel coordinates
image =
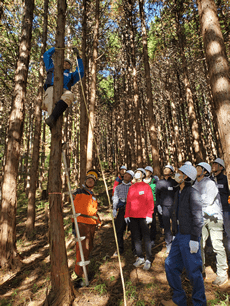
(152, 119)
(83, 110)
(197, 144)
(37, 132)
(9, 187)
(93, 92)
(219, 72)
(62, 290)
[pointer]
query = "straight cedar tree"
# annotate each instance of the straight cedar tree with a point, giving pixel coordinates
(152, 119)
(197, 144)
(8, 251)
(93, 89)
(62, 292)
(83, 112)
(37, 132)
(219, 71)
(130, 26)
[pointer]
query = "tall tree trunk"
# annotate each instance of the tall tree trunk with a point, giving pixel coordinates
(93, 92)
(215, 132)
(152, 119)
(9, 187)
(1, 9)
(136, 98)
(197, 144)
(37, 132)
(43, 155)
(219, 72)
(62, 290)
(187, 154)
(83, 110)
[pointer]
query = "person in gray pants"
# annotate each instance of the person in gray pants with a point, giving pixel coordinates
(213, 221)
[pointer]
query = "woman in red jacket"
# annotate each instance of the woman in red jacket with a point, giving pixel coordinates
(139, 210)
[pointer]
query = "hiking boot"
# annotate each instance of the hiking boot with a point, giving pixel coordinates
(220, 280)
(50, 121)
(147, 265)
(168, 303)
(139, 262)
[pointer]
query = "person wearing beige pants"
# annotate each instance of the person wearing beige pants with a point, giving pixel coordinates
(69, 79)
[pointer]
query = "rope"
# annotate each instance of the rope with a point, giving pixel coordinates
(55, 193)
(106, 188)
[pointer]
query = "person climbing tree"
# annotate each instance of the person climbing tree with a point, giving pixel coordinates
(86, 204)
(69, 80)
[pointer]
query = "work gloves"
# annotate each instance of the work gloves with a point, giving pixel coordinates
(210, 216)
(159, 208)
(75, 50)
(194, 246)
(127, 220)
(149, 220)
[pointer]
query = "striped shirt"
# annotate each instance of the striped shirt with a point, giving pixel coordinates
(120, 194)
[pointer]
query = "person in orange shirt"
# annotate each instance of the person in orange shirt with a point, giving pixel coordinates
(86, 204)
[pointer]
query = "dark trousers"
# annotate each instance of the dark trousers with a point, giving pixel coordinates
(166, 215)
(153, 228)
(139, 229)
(160, 220)
(120, 228)
(120, 225)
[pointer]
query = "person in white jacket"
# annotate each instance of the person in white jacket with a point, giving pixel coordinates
(213, 221)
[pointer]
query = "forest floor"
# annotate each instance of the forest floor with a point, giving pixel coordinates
(30, 283)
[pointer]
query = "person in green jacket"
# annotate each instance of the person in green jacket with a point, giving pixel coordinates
(151, 180)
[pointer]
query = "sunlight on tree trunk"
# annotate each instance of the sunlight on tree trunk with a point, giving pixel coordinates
(152, 119)
(219, 72)
(37, 133)
(93, 92)
(9, 187)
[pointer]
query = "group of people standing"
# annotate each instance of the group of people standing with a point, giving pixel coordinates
(192, 206)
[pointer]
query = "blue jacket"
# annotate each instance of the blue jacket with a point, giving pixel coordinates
(70, 78)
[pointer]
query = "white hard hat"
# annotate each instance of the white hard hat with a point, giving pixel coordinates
(130, 172)
(149, 168)
(170, 167)
(123, 168)
(188, 163)
(189, 170)
(142, 170)
(220, 162)
(206, 166)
